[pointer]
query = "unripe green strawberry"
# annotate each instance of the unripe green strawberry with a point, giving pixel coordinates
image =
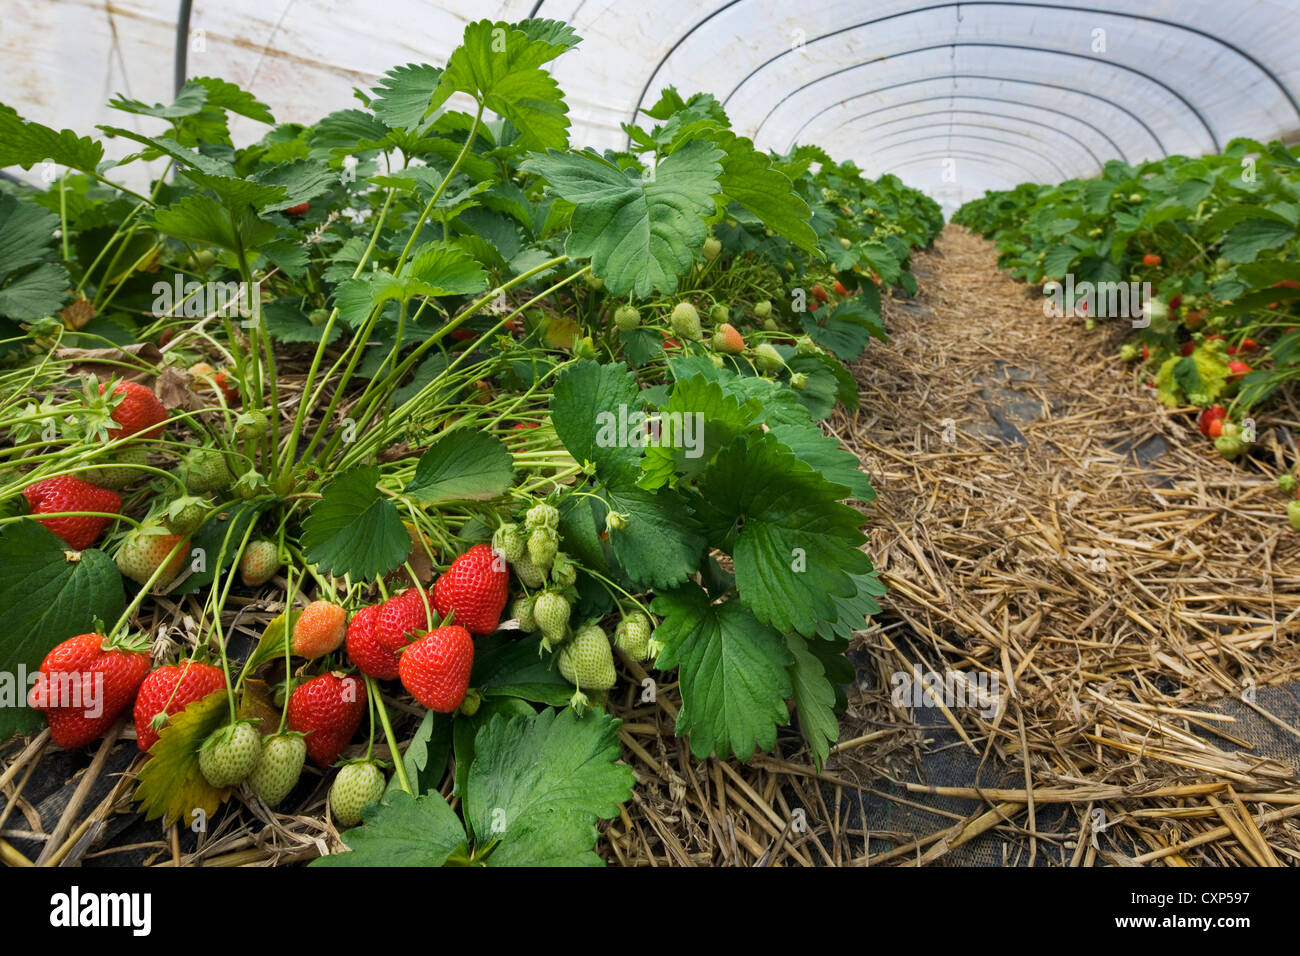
(1128, 352)
(716, 360)
(595, 282)
(1293, 514)
(769, 324)
(145, 549)
(184, 515)
(588, 662)
(551, 612)
(251, 425)
(230, 754)
(719, 314)
(522, 609)
(542, 516)
(1287, 483)
(767, 358)
(844, 243)
(711, 249)
(1229, 446)
(251, 484)
(279, 767)
(585, 348)
(799, 381)
(632, 636)
(204, 470)
(542, 548)
(529, 573)
(627, 318)
(563, 571)
(117, 478)
(763, 309)
(510, 540)
(356, 787)
(806, 346)
(686, 322)
(258, 563)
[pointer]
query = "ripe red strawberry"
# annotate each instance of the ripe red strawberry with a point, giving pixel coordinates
(364, 649)
(228, 385)
(168, 691)
(299, 210)
(1247, 345)
(400, 617)
(819, 293)
(1208, 417)
(143, 550)
(1151, 260)
(83, 688)
(1237, 369)
(139, 413)
(475, 588)
(1188, 348)
(1287, 284)
(70, 493)
(328, 709)
(319, 630)
(839, 288)
(728, 340)
(435, 669)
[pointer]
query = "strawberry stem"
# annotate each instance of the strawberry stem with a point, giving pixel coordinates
(399, 763)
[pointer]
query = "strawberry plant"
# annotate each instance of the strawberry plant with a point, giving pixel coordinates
(409, 369)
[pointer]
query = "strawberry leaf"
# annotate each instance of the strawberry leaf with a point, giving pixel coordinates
(640, 232)
(462, 465)
(732, 670)
(538, 784)
(795, 545)
(204, 221)
(402, 830)
(506, 668)
(694, 401)
(171, 785)
(814, 698)
(404, 95)
(26, 144)
(353, 529)
(749, 179)
(47, 598)
(814, 447)
(425, 756)
(499, 64)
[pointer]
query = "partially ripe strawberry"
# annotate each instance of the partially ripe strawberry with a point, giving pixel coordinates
(364, 649)
(139, 413)
(319, 630)
(146, 549)
(1208, 416)
(298, 210)
(69, 493)
(1237, 370)
(435, 669)
(1151, 260)
(728, 340)
(328, 709)
(230, 754)
(356, 787)
(279, 767)
(819, 293)
(475, 588)
(839, 288)
(258, 563)
(83, 688)
(169, 690)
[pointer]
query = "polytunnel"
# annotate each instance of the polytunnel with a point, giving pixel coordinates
(572, 433)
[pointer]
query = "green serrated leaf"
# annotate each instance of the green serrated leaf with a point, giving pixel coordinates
(732, 672)
(402, 830)
(814, 699)
(353, 529)
(640, 233)
(171, 786)
(462, 465)
(538, 784)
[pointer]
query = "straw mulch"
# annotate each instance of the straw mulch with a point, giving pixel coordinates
(1040, 518)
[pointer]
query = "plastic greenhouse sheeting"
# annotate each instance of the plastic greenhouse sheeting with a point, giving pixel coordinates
(955, 98)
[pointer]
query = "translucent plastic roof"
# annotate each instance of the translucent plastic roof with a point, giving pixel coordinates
(954, 97)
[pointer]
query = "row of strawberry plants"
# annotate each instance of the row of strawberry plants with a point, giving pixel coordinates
(1215, 238)
(583, 387)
